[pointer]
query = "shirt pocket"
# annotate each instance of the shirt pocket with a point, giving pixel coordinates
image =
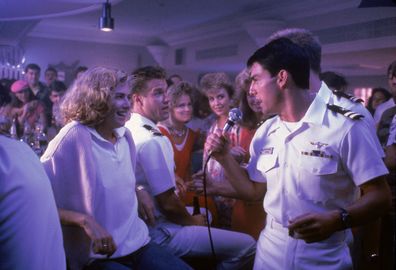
(317, 178)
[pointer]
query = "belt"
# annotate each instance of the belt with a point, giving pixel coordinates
(336, 237)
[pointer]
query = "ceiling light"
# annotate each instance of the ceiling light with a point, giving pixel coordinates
(106, 22)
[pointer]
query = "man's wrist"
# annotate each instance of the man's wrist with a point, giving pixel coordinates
(345, 218)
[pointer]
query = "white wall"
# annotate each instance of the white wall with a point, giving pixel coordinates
(67, 55)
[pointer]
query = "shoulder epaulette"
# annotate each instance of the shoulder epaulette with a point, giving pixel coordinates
(345, 112)
(339, 93)
(153, 130)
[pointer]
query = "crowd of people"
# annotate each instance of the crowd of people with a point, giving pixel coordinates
(304, 180)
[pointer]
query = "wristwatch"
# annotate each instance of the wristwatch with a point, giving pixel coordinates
(140, 187)
(345, 219)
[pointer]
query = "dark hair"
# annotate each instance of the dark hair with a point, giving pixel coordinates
(81, 69)
(170, 82)
(283, 54)
(15, 102)
(5, 97)
(334, 80)
(242, 84)
(392, 69)
(57, 86)
(51, 69)
(306, 40)
(201, 106)
(370, 100)
(142, 75)
(33, 67)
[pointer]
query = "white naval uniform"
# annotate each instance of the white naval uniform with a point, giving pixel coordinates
(315, 168)
(155, 171)
(327, 95)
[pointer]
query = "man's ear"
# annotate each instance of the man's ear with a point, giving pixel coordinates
(137, 99)
(282, 78)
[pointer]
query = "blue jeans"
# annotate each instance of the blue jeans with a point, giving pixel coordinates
(151, 256)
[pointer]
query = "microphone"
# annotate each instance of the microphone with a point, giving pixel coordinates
(234, 116)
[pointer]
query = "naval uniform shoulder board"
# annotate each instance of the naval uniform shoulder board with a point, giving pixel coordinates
(341, 94)
(153, 130)
(345, 112)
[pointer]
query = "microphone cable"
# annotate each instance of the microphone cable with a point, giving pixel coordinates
(234, 116)
(207, 210)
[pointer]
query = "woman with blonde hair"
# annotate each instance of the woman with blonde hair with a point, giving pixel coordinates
(91, 165)
(184, 140)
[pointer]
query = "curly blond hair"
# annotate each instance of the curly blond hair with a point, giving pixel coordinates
(177, 90)
(88, 99)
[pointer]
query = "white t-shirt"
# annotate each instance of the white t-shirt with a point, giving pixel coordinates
(116, 210)
(30, 231)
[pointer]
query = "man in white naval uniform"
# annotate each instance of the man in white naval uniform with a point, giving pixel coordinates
(309, 162)
(312, 47)
(181, 233)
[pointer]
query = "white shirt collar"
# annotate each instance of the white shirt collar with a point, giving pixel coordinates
(118, 132)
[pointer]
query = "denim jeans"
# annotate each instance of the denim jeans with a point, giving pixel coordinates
(151, 256)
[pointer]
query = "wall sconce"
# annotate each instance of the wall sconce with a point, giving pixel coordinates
(106, 22)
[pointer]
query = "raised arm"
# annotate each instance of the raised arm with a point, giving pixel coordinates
(238, 177)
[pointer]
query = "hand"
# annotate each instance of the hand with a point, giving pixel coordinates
(181, 187)
(314, 227)
(196, 184)
(146, 207)
(30, 106)
(216, 144)
(199, 220)
(103, 242)
(238, 153)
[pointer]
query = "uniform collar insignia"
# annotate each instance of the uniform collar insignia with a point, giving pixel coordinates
(318, 145)
(152, 130)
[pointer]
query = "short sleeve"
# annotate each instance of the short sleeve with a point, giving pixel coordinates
(359, 156)
(70, 167)
(254, 173)
(154, 164)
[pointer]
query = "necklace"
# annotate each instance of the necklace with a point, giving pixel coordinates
(177, 133)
